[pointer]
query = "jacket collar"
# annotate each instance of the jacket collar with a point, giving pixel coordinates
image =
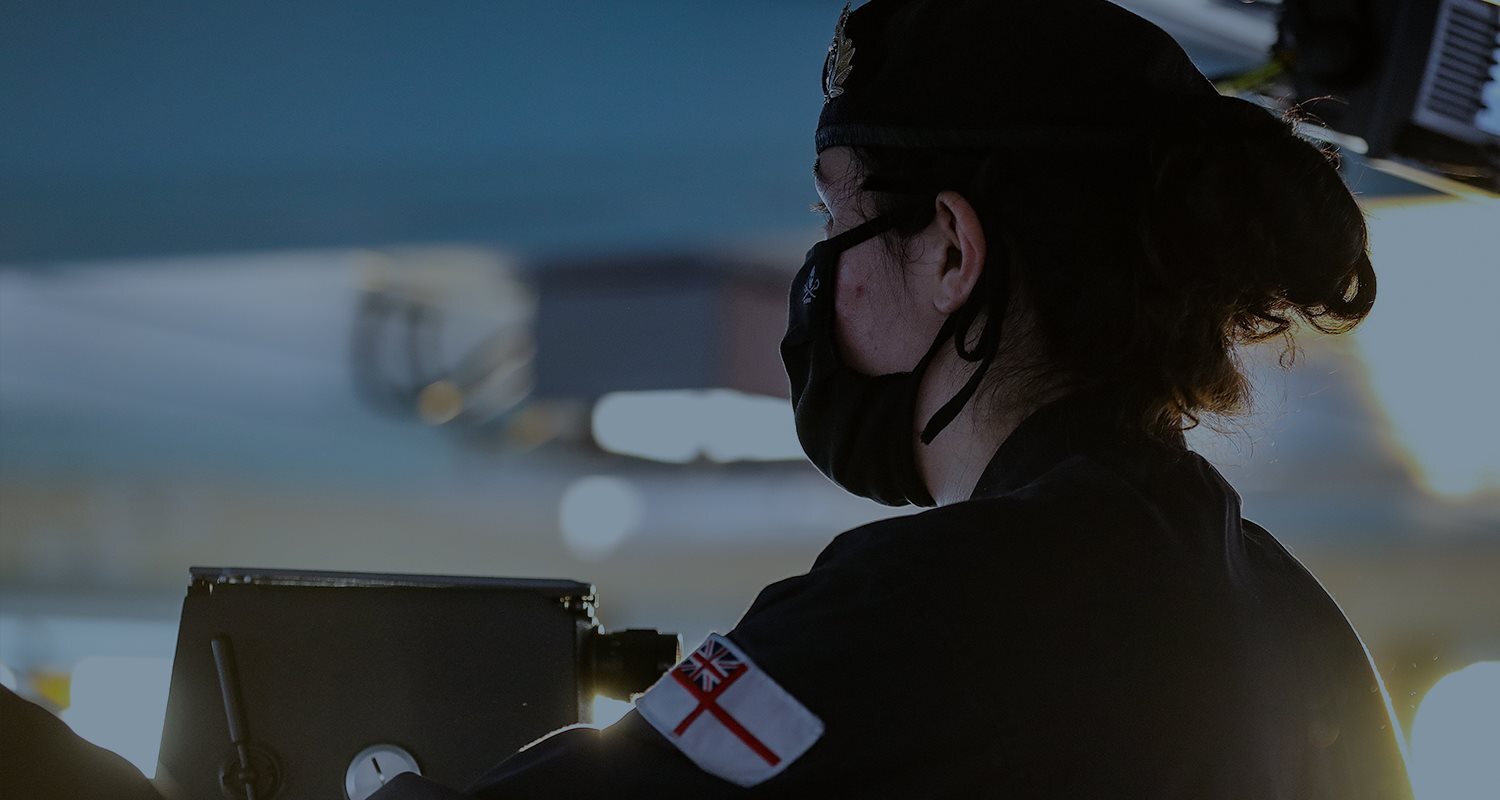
(1077, 423)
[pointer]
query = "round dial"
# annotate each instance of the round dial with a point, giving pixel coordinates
(374, 767)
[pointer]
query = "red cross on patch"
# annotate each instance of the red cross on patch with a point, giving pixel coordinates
(728, 715)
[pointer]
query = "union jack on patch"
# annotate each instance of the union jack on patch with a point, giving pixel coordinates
(709, 665)
(726, 714)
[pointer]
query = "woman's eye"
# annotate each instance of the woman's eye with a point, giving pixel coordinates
(822, 210)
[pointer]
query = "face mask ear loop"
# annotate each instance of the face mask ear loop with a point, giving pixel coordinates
(966, 317)
(950, 410)
(984, 352)
(825, 254)
(868, 229)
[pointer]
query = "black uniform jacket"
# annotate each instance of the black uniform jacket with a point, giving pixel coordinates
(1097, 621)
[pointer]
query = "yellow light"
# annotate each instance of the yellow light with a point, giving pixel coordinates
(54, 687)
(440, 403)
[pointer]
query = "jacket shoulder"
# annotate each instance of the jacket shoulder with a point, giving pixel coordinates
(1082, 509)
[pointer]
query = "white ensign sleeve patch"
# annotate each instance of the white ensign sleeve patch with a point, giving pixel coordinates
(728, 715)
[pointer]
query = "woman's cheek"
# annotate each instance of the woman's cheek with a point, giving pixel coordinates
(852, 312)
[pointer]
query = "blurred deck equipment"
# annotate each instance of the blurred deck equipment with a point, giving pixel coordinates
(295, 684)
(1412, 81)
(443, 334)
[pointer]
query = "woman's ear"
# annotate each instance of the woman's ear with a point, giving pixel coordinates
(961, 237)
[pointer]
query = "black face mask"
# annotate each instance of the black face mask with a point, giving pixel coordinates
(857, 428)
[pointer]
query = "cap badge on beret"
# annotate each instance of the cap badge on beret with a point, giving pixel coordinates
(840, 60)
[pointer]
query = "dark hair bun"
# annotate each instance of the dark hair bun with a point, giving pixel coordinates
(1244, 211)
(1144, 264)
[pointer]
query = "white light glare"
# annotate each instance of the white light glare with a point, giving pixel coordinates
(608, 711)
(120, 704)
(1430, 342)
(1456, 736)
(679, 426)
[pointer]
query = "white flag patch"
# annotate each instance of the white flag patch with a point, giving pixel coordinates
(728, 715)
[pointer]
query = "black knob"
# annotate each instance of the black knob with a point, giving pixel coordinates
(252, 775)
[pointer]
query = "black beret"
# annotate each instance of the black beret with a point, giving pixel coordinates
(983, 73)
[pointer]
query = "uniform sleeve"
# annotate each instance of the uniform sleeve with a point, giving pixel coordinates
(856, 653)
(832, 640)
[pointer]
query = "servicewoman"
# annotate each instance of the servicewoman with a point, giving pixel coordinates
(1046, 235)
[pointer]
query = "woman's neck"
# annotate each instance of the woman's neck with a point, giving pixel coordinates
(953, 463)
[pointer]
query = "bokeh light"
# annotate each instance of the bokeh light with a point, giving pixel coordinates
(1430, 342)
(1455, 752)
(598, 513)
